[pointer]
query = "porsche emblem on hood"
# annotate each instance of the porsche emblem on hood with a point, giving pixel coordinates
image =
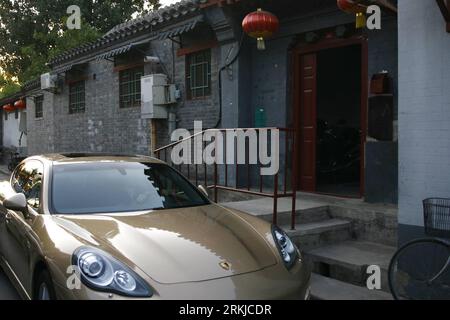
(225, 265)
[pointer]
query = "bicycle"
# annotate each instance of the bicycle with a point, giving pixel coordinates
(420, 269)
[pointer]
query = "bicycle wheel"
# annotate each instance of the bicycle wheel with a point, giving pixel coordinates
(413, 267)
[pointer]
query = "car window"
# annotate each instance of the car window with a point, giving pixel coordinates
(27, 179)
(107, 187)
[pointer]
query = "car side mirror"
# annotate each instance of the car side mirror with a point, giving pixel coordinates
(203, 190)
(17, 202)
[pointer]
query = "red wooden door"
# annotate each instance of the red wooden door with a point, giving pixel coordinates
(308, 122)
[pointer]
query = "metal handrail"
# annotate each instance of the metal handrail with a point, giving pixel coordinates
(275, 194)
(173, 144)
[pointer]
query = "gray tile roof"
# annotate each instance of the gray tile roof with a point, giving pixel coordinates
(116, 52)
(160, 16)
(151, 22)
(32, 84)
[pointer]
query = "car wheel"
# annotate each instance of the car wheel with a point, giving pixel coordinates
(44, 287)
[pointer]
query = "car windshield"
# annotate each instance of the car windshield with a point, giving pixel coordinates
(109, 187)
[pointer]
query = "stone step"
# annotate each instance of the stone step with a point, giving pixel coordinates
(348, 261)
(315, 234)
(323, 288)
(306, 211)
(302, 216)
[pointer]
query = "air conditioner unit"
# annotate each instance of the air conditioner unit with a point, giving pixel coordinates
(156, 95)
(49, 81)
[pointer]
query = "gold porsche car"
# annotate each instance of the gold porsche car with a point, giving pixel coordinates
(81, 226)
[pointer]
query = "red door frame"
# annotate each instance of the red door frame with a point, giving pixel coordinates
(302, 49)
(308, 122)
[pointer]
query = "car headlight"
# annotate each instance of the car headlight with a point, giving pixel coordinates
(288, 250)
(99, 271)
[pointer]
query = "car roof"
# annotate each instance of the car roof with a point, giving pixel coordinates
(95, 157)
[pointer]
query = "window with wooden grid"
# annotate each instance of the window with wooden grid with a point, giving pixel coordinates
(198, 74)
(77, 97)
(130, 87)
(38, 106)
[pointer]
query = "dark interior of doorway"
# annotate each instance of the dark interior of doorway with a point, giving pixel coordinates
(339, 121)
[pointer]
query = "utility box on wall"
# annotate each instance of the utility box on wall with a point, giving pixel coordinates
(156, 95)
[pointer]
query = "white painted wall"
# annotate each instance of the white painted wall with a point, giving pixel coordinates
(11, 133)
(424, 107)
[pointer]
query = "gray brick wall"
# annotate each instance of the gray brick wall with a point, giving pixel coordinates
(104, 127)
(205, 109)
(383, 53)
(270, 72)
(424, 108)
(41, 133)
(187, 111)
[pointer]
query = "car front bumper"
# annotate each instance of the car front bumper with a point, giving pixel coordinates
(273, 283)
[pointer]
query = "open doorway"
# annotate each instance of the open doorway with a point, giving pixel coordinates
(338, 117)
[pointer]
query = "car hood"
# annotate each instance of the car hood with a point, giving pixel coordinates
(177, 245)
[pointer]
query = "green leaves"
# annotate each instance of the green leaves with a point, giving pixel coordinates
(34, 31)
(7, 86)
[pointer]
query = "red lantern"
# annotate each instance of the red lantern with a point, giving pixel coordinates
(352, 6)
(260, 25)
(8, 107)
(20, 104)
